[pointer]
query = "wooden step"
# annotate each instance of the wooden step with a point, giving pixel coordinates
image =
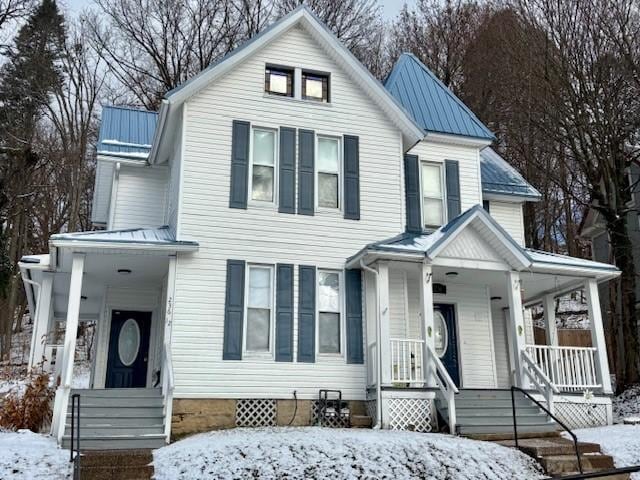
(493, 437)
(361, 421)
(538, 447)
(117, 442)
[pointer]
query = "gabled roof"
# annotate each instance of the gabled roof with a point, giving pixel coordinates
(159, 237)
(500, 178)
(303, 16)
(126, 132)
(431, 104)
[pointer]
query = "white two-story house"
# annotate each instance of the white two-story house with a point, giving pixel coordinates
(287, 224)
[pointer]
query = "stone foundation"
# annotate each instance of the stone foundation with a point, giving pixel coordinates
(202, 415)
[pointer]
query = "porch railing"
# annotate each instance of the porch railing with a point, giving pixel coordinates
(438, 373)
(407, 360)
(167, 387)
(53, 360)
(540, 381)
(568, 368)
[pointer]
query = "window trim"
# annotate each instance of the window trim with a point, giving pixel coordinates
(317, 171)
(342, 313)
(253, 353)
(443, 199)
(288, 71)
(276, 156)
(321, 75)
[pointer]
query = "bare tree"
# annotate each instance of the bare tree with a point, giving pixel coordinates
(12, 10)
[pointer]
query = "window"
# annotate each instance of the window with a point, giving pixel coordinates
(432, 195)
(329, 307)
(259, 309)
(278, 81)
(328, 161)
(315, 86)
(263, 162)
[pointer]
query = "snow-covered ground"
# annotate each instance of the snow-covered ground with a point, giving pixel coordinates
(320, 453)
(627, 404)
(25, 455)
(622, 442)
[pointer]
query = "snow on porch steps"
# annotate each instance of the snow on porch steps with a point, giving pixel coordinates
(319, 453)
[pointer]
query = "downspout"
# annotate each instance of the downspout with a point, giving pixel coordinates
(378, 424)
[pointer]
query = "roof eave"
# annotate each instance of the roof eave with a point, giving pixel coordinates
(124, 245)
(510, 197)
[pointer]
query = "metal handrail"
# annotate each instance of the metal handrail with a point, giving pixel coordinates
(75, 435)
(556, 419)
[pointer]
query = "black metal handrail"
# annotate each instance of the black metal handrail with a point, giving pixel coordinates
(75, 435)
(556, 419)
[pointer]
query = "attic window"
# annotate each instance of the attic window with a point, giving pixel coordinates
(278, 81)
(315, 86)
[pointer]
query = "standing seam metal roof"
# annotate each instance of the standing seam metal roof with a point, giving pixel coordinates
(126, 132)
(499, 177)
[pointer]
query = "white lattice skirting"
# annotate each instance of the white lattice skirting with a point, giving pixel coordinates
(581, 415)
(410, 414)
(256, 413)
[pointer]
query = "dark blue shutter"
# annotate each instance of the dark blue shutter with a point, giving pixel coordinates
(453, 188)
(353, 289)
(306, 178)
(287, 180)
(351, 177)
(234, 311)
(306, 313)
(239, 164)
(284, 313)
(412, 193)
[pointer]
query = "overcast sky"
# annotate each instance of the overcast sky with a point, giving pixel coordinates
(390, 8)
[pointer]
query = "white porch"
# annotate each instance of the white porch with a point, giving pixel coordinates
(125, 288)
(485, 280)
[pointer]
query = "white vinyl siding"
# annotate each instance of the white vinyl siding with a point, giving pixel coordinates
(141, 197)
(102, 192)
(509, 216)
(257, 235)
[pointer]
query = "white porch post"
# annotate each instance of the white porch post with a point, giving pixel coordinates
(71, 331)
(516, 318)
(385, 336)
(426, 311)
(41, 320)
(550, 320)
(167, 365)
(597, 334)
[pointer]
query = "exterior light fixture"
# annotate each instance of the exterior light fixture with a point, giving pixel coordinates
(124, 271)
(451, 274)
(496, 298)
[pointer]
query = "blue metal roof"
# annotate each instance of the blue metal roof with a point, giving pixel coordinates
(431, 104)
(499, 177)
(148, 236)
(126, 132)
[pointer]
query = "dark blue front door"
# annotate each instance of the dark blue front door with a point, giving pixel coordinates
(446, 339)
(128, 349)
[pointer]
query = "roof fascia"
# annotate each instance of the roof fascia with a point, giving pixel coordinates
(461, 140)
(509, 197)
(122, 160)
(84, 244)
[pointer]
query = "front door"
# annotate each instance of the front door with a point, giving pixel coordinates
(128, 349)
(446, 339)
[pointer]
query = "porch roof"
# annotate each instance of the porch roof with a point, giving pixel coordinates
(430, 244)
(160, 238)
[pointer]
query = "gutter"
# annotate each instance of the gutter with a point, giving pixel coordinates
(378, 424)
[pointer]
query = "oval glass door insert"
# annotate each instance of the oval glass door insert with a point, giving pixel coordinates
(441, 339)
(129, 342)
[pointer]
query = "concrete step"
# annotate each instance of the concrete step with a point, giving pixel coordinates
(504, 436)
(467, 410)
(117, 442)
(131, 458)
(521, 420)
(562, 464)
(121, 411)
(539, 447)
(361, 421)
(487, 394)
(489, 403)
(141, 472)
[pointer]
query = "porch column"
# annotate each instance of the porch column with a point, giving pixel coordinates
(41, 320)
(550, 320)
(71, 331)
(385, 335)
(597, 334)
(426, 313)
(516, 319)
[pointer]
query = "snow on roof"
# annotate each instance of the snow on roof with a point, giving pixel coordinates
(499, 177)
(126, 132)
(539, 256)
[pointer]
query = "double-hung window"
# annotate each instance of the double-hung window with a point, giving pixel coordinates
(329, 167)
(329, 312)
(259, 309)
(433, 210)
(263, 165)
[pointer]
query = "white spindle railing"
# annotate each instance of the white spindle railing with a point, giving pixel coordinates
(407, 361)
(437, 372)
(542, 383)
(568, 368)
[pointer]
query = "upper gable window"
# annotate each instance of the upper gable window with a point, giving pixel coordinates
(432, 194)
(279, 81)
(328, 179)
(263, 165)
(315, 86)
